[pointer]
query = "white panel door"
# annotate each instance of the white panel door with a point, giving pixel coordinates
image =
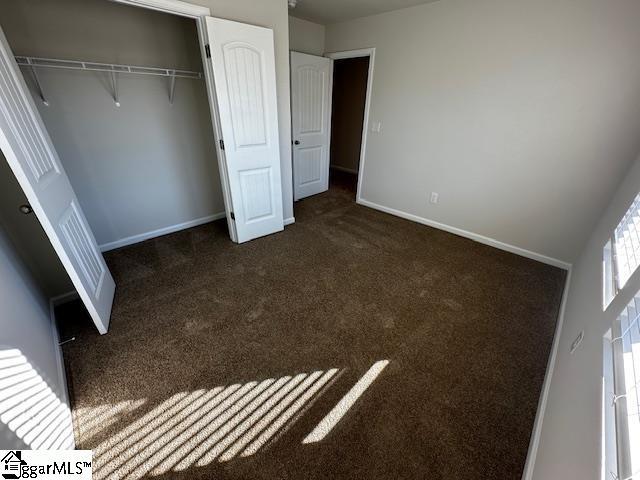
(245, 82)
(27, 147)
(311, 83)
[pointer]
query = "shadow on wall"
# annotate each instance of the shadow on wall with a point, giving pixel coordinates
(30, 411)
(28, 237)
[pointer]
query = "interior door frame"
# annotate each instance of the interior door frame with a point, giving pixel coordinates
(363, 52)
(199, 14)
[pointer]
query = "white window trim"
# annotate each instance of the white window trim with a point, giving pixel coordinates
(609, 278)
(620, 461)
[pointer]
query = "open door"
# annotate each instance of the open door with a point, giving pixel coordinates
(245, 87)
(311, 82)
(27, 147)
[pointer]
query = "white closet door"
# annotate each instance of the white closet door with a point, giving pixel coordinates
(311, 82)
(245, 81)
(27, 147)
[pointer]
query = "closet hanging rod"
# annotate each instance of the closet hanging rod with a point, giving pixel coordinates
(104, 67)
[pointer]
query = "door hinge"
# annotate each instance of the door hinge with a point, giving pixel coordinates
(207, 50)
(221, 144)
(233, 216)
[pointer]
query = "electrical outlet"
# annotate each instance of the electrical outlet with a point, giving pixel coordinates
(376, 127)
(434, 197)
(576, 343)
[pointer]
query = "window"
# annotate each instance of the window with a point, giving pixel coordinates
(624, 366)
(627, 241)
(608, 273)
(621, 254)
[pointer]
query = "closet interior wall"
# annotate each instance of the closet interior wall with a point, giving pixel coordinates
(142, 168)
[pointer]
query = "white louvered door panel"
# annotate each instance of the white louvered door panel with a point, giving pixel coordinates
(28, 149)
(245, 80)
(311, 81)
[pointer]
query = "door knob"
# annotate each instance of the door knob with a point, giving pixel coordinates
(297, 142)
(26, 209)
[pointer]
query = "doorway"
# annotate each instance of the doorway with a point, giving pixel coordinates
(330, 101)
(347, 118)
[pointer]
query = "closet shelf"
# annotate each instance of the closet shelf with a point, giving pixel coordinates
(111, 68)
(105, 67)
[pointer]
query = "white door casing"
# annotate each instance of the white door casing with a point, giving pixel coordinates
(245, 81)
(26, 145)
(311, 90)
(371, 53)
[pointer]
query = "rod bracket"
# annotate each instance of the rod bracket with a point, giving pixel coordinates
(36, 81)
(172, 88)
(114, 86)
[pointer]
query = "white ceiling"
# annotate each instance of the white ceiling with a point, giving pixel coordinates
(335, 11)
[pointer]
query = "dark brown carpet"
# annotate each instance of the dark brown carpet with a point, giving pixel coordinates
(467, 330)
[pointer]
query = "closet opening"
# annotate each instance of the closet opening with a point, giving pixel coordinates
(122, 94)
(112, 124)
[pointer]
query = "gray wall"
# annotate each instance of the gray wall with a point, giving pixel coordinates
(570, 442)
(146, 165)
(522, 115)
(27, 235)
(25, 324)
(306, 37)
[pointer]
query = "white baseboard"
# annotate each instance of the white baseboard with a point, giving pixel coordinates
(463, 233)
(344, 169)
(62, 376)
(289, 221)
(159, 232)
(546, 386)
